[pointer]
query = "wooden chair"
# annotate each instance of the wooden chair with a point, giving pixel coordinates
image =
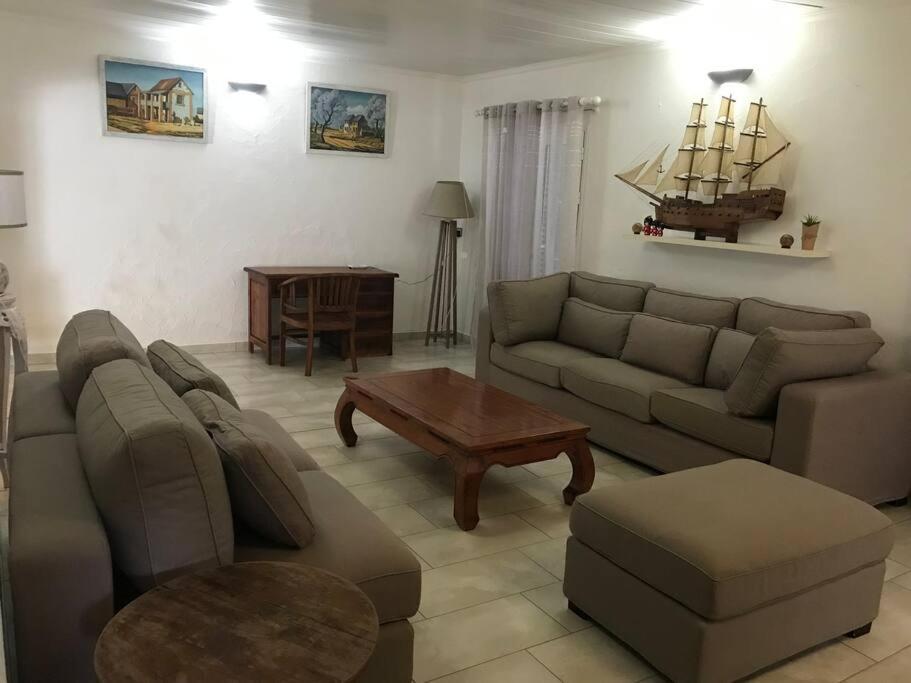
(331, 307)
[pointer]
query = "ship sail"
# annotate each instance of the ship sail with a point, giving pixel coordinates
(753, 146)
(760, 153)
(769, 173)
(631, 175)
(686, 171)
(650, 176)
(719, 160)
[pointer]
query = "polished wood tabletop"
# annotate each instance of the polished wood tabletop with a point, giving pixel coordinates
(250, 621)
(471, 414)
(472, 424)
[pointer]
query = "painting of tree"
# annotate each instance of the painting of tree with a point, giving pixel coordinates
(347, 120)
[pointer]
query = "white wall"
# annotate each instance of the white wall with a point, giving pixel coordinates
(837, 88)
(159, 231)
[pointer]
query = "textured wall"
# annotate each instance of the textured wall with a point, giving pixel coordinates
(159, 231)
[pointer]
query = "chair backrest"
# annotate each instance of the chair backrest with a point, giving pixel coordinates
(334, 293)
(325, 293)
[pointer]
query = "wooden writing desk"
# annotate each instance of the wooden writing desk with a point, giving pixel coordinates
(374, 307)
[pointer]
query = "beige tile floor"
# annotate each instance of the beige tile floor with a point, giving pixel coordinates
(492, 608)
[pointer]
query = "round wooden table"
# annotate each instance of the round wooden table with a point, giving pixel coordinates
(252, 621)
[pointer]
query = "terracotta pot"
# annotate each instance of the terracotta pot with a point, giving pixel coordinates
(809, 235)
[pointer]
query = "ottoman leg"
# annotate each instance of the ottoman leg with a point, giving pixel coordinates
(858, 632)
(578, 611)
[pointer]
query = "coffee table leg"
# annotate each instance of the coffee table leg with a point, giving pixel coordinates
(344, 409)
(468, 475)
(583, 471)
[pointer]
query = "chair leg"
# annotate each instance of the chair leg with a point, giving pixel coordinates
(352, 350)
(309, 369)
(281, 344)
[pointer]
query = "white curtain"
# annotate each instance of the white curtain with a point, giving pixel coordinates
(530, 191)
(557, 194)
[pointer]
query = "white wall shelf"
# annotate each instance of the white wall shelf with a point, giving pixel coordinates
(769, 249)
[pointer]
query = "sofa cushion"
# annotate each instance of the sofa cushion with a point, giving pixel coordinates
(702, 413)
(352, 542)
(90, 339)
(728, 353)
(781, 357)
(616, 385)
(609, 292)
(280, 438)
(183, 371)
(756, 314)
(527, 310)
(669, 347)
(539, 361)
(726, 539)
(692, 308)
(265, 490)
(39, 408)
(593, 327)
(154, 474)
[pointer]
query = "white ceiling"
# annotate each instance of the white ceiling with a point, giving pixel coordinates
(455, 37)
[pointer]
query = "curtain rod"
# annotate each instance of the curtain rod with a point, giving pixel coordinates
(587, 103)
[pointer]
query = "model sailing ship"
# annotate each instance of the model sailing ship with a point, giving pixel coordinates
(710, 170)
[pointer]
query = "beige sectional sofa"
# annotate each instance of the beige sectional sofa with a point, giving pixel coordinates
(676, 380)
(118, 487)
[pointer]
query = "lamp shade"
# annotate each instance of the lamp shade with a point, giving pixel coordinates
(12, 200)
(449, 200)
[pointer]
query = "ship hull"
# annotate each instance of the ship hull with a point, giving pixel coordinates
(724, 216)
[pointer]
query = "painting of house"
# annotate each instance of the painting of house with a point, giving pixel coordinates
(348, 121)
(123, 98)
(153, 100)
(168, 101)
(356, 126)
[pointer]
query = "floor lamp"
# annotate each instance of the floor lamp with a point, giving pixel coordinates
(448, 202)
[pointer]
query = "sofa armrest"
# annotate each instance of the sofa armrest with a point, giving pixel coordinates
(482, 346)
(59, 562)
(850, 433)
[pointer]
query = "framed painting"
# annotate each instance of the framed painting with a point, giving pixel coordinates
(154, 101)
(347, 121)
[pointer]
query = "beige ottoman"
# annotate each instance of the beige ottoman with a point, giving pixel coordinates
(716, 572)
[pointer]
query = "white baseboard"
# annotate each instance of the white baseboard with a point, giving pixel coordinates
(231, 347)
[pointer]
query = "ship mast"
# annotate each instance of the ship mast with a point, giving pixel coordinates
(724, 143)
(755, 142)
(689, 173)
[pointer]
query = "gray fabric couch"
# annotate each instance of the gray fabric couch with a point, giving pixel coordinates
(72, 545)
(676, 380)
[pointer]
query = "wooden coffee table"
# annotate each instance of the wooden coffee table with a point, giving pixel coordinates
(251, 621)
(472, 424)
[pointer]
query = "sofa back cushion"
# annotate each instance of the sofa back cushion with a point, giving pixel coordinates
(692, 308)
(183, 372)
(609, 292)
(781, 357)
(669, 347)
(593, 328)
(756, 314)
(155, 476)
(527, 310)
(728, 353)
(90, 339)
(266, 491)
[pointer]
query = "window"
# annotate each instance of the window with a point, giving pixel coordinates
(180, 100)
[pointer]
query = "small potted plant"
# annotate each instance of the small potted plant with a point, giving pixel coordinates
(810, 231)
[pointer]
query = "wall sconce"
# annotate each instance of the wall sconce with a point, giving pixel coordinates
(248, 87)
(730, 76)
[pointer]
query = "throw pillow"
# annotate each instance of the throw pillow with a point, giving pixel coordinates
(782, 357)
(668, 347)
